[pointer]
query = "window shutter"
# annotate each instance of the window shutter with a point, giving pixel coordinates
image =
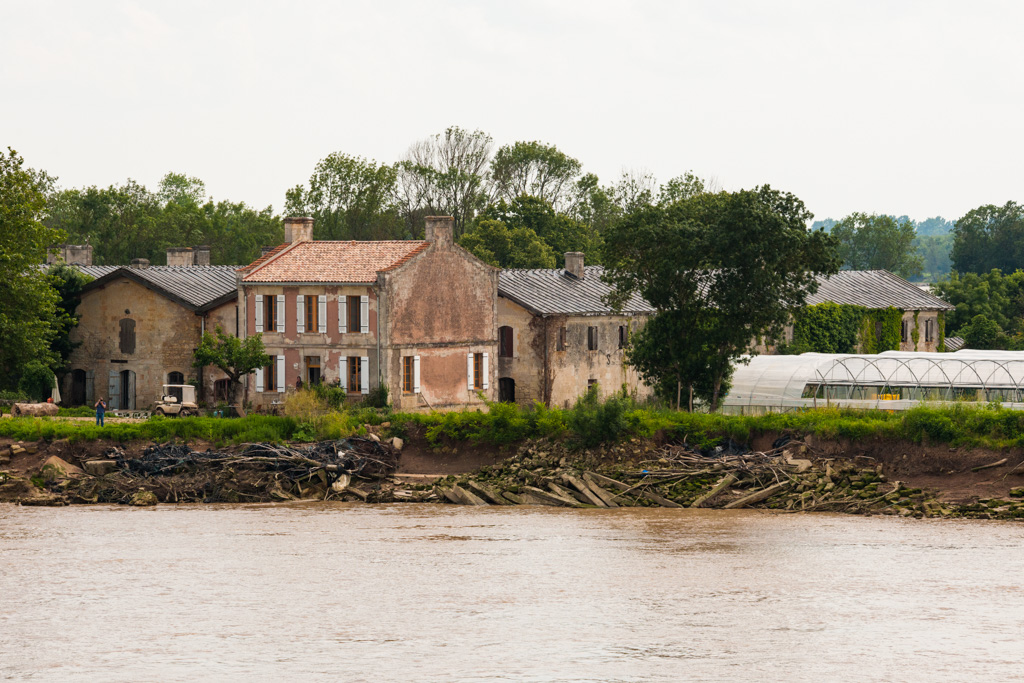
(259, 380)
(415, 374)
(280, 313)
(90, 387)
(343, 366)
(486, 379)
(364, 314)
(469, 371)
(259, 312)
(321, 309)
(343, 314)
(114, 390)
(364, 374)
(280, 373)
(300, 313)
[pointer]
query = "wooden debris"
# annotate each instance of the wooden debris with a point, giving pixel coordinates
(720, 486)
(990, 465)
(758, 496)
(580, 486)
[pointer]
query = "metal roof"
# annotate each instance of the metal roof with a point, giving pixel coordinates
(875, 289)
(195, 287)
(556, 292)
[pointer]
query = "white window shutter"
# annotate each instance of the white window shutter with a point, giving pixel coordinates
(486, 379)
(259, 380)
(415, 374)
(300, 313)
(364, 374)
(364, 314)
(469, 371)
(343, 368)
(343, 314)
(321, 313)
(280, 313)
(280, 373)
(259, 312)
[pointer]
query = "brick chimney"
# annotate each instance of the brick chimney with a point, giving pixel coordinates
(140, 263)
(574, 264)
(201, 256)
(298, 229)
(179, 256)
(440, 229)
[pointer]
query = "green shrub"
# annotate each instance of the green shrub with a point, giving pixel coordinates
(593, 422)
(36, 381)
(332, 395)
(377, 398)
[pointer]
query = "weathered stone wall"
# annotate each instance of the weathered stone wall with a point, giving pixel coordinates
(227, 317)
(526, 365)
(166, 334)
(330, 346)
(441, 305)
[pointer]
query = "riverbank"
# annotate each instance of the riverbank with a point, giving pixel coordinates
(781, 471)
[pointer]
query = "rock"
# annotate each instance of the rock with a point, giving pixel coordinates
(341, 483)
(466, 497)
(16, 449)
(1017, 492)
(374, 437)
(67, 469)
(143, 498)
(397, 443)
(99, 468)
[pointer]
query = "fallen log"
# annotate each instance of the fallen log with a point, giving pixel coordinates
(758, 496)
(35, 409)
(988, 466)
(725, 481)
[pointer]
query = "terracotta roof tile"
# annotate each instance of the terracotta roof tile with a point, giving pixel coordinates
(264, 258)
(323, 261)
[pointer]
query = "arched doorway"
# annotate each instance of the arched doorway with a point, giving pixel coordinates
(78, 379)
(175, 378)
(506, 390)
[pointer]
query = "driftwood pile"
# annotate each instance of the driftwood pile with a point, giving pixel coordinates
(258, 473)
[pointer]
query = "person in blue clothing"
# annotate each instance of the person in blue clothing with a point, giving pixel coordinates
(101, 408)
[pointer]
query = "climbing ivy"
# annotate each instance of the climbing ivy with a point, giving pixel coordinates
(840, 328)
(942, 332)
(915, 334)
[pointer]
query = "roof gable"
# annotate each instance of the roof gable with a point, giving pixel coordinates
(332, 261)
(194, 287)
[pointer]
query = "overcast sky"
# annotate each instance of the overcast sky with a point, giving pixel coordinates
(897, 107)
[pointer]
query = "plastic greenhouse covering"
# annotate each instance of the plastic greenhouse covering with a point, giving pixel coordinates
(893, 380)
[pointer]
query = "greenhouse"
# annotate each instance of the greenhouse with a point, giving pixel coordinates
(893, 380)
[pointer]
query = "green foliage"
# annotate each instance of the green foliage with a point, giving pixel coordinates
(377, 397)
(731, 266)
(826, 328)
(933, 251)
(989, 237)
(535, 169)
(915, 333)
(881, 330)
(28, 304)
(36, 381)
(233, 356)
(244, 430)
(983, 333)
(998, 297)
(941, 347)
(332, 395)
(68, 282)
(593, 421)
(494, 242)
(873, 242)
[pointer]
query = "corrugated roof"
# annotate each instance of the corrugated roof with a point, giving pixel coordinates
(196, 287)
(328, 261)
(555, 291)
(875, 289)
(954, 343)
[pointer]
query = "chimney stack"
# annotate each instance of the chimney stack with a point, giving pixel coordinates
(440, 230)
(574, 264)
(201, 256)
(140, 263)
(298, 229)
(179, 256)
(72, 254)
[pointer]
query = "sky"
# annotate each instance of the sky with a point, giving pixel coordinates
(897, 107)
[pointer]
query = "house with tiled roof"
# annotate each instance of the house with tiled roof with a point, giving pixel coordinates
(415, 316)
(557, 336)
(139, 326)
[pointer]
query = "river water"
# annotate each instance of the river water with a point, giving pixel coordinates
(443, 593)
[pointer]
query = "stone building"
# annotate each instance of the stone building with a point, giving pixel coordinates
(139, 327)
(880, 289)
(557, 337)
(416, 316)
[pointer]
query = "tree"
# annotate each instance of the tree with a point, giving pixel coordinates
(934, 253)
(634, 190)
(935, 227)
(997, 297)
(68, 282)
(349, 198)
(234, 357)
(445, 175)
(593, 205)
(536, 169)
(983, 333)
(27, 301)
(496, 243)
(877, 242)
(558, 231)
(731, 266)
(680, 188)
(989, 237)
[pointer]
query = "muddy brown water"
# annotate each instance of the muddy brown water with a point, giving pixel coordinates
(444, 593)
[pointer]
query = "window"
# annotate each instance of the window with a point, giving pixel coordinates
(623, 336)
(354, 322)
(127, 338)
(591, 383)
(271, 313)
(407, 374)
(477, 374)
(313, 369)
(560, 344)
(929, 330)
(312, 323)
(505, 341)
(904, 335)
(478, 369)
(355, 377)
(592, 339)
(221, 390)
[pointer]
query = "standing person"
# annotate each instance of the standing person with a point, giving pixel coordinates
(101, 408)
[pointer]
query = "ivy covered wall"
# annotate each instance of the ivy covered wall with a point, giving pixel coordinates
(840, 328)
